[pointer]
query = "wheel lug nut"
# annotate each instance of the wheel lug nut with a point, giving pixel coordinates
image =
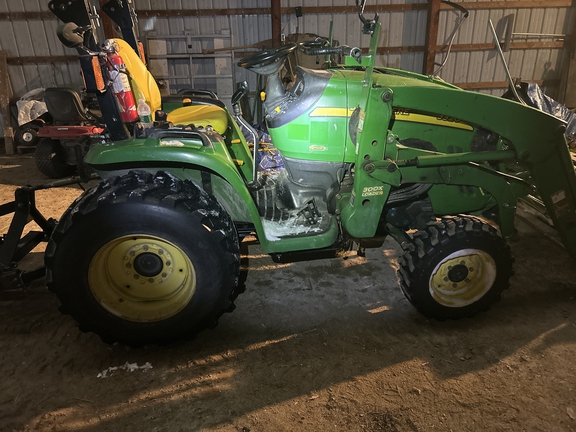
(164, 275)
(145, 248)
(160, 251)
(136, 276)
(132, 253)
(150, 280)
(128, 265)
(168, 263)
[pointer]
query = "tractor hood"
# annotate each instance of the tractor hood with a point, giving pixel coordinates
(311, 122)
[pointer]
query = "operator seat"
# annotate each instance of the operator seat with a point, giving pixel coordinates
(65, 106)
(144, 87)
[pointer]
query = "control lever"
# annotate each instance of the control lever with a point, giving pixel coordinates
(240, 93)
(236, 97)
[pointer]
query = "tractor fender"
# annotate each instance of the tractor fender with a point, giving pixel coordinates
(201, 158)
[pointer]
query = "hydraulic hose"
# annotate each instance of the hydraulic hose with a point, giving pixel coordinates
(309, 48)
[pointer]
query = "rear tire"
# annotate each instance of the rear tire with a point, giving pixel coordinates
(50, 157)
(143, 259)
(455, 268)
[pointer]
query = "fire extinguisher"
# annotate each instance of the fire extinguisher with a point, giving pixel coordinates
(121, 85)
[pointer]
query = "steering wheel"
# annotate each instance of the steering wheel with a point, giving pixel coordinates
(313, 44)
(268, 61)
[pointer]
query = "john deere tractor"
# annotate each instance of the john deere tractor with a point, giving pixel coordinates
(151, 254)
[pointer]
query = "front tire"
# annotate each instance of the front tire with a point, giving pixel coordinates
(455, 268)
(144, 259)
(26, 136)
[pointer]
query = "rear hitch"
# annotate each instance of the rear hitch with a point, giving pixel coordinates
(14, 246)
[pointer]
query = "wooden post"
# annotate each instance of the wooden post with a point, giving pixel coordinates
(107, 23)
(431, 36)
(568, 87)
(276, 22)
(5, 104)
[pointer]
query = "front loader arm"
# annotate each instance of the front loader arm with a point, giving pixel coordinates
(361, 212)
(536, 137)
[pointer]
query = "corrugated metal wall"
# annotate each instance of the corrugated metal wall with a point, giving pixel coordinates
(399, 28)
(22, 38)
(244, 30)
(403, 28)
(475, 68)
(529, 64)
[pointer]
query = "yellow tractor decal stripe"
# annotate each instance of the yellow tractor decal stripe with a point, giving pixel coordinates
(331, 112)
(401, 115)
(428, 119)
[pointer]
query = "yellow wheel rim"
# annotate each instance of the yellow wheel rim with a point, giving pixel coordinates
(142, 278)
(462, 278)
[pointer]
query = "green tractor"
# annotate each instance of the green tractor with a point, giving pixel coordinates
(151, 254)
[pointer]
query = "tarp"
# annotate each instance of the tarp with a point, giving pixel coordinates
(31, 106)
(535, 97)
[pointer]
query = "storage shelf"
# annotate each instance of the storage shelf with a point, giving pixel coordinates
(174, 52)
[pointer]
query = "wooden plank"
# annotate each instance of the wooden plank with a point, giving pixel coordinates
(276, 12)
(501, 84)
(306, 10)
(24, 60)
(201, 12)
(369, 9)
(483, 85)
(514, 4)
(532, 212)
(315, 10)
(513, 46)
(471, 47)
(568, 93)
(26, 16)
(398, 49)
(431, 47)
(107, 24)
(5, 104)
(511, 4)
(41, 59)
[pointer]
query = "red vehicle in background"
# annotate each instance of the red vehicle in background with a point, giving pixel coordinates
(73, 130)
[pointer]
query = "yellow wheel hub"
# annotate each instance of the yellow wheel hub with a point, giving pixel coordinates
(462, 278)
(142, 278)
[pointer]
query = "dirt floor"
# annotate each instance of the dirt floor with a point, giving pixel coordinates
(330, 345)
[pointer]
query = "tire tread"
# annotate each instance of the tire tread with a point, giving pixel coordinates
(442, 234)
(167, 191)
